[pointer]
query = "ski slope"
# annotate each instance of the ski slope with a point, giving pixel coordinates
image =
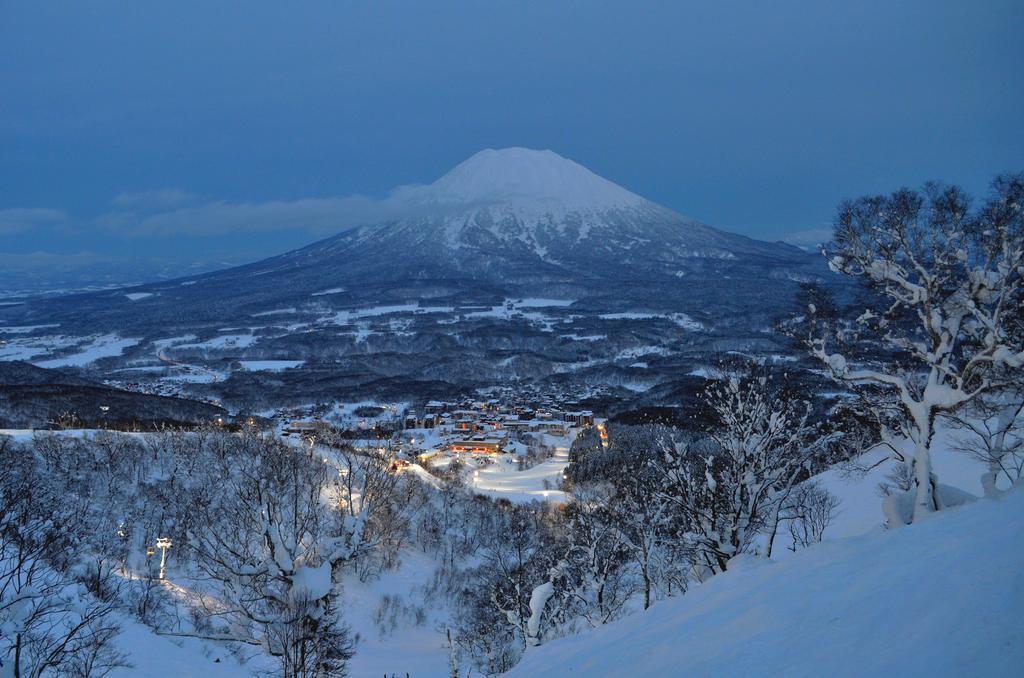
(943, 597)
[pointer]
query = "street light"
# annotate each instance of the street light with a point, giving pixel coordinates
(163, 543)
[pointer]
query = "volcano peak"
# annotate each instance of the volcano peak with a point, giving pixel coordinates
(521, 175)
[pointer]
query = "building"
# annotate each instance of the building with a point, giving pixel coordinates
(579, 418)
(466, 425)
(478, 445)
(555, 428)
(309, 426)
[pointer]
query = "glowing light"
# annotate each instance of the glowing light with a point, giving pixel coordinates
(162, 543)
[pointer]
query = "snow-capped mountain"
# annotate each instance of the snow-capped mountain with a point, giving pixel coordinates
(510, 222)
(516, 264)
(514, 203)
(524, 222)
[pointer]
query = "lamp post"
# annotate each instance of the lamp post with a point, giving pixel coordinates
(163, 543)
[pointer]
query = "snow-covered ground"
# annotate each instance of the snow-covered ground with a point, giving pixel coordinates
(943, 597)
(347, 316)
(680, 319)
(270, 365)
(860, 507)
(28, 348)
(276, 311)
(25, 329)
(541, 303)
(418, 650)
(105, 346)
(502, 479)
(176, 656)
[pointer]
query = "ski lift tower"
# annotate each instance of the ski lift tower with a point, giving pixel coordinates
(163, 543)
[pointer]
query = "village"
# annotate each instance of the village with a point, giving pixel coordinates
(512, 448)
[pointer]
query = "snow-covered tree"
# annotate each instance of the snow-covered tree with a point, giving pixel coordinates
(592, 573)
(946, 288)
(733, 488)
(652, 538)
(49, 623)
(501, 605)
(376, 505)
(274, 544)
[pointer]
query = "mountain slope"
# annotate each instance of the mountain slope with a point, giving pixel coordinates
(937, 598)
(516, 266)
(32, 397)
(504, 223)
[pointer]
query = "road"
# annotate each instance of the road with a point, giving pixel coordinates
(191, 368)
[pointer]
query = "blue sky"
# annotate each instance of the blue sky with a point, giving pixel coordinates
(233, 130)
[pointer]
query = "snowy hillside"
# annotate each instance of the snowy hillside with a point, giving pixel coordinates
(936, 598)
(863, 590)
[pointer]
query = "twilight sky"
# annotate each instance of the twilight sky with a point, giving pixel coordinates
(199, 131)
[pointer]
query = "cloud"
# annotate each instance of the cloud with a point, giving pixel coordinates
(23, 219)
(314, 216)
(172, 212)
(808, 239)
(168, 212)
(159, 199)
(40, 271)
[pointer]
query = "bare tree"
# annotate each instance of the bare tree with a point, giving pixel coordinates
(809, 511)
(992, 431)
(651, 536)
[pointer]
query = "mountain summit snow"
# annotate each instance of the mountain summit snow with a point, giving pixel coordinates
(521, 176)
